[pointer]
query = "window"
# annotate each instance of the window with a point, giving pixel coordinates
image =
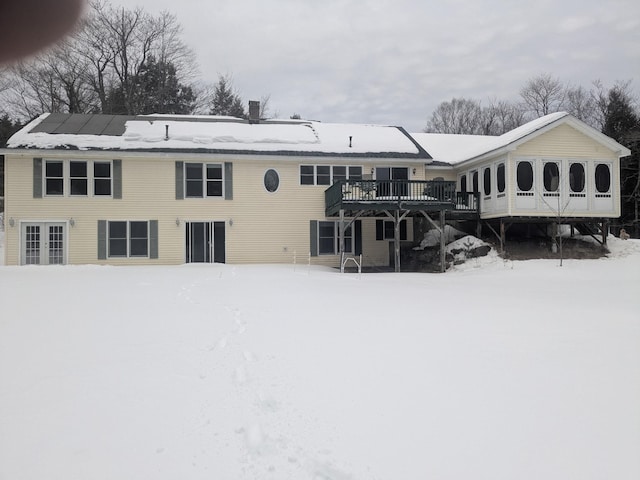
(524, 174)
(214, 180)
(102, 178)
(551, 176)
(307, 175)
(386, 230)
(203, 179)
(328, 238)
(474, 176)
(323, 175)
(355, 173)
(463, 183)
(54, 178)
(328, 174)
(78, 178)
(117, 239)
(128, 239)
(500, 173)
(339, 173)
(576, 177)
(486, 174)
(603, 178)
(271, 180)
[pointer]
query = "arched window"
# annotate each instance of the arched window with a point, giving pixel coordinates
(486, 174)
(576, 177)
(603, 178)
(463, 183)
(501, 177)
(524, 174)
(551, 176)
(475, 181)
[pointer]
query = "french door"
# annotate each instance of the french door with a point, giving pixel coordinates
(394, 188)
(205, 242)
(43, 243)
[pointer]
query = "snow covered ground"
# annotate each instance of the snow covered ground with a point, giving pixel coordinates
(516, 370)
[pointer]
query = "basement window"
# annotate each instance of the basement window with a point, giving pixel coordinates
(329, 241)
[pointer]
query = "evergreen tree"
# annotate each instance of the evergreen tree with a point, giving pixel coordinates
(225, 100)
(7, 128)
(622, 123)
(620, 117)
(158, 90)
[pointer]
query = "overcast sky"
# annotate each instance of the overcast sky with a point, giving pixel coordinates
(393, 61)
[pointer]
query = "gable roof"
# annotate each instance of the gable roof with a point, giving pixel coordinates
(211, 134)
(456, 149)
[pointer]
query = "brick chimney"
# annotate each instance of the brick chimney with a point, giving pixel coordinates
(254, 111)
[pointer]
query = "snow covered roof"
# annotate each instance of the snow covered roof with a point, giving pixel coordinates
(210, 134)
(455, 149)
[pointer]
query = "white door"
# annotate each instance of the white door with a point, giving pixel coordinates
(43, 244)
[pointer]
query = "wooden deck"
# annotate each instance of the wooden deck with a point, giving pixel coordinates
(410, 195)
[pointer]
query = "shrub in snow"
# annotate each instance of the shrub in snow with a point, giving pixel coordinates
(432, 237)
(465, 248)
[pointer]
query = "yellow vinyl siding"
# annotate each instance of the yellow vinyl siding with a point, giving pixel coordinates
(564, 141)
(260, 227)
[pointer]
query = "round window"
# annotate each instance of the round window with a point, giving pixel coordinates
(271, 180)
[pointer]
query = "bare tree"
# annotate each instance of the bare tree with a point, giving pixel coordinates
(459, 116)
(107, 66)
(501, 116)
(543, 94)
(581, 103)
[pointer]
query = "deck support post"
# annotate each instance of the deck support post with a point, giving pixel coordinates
(605, 232)
(443, 259)
(341, 240)
(397, 218)
(397, 240)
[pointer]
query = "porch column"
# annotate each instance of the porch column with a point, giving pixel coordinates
(341, 240)
(397, 239)
(443, 243)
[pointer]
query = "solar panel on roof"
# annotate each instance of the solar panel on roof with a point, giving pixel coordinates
(116, 125)
(73, 124)
(50, 123)
(95, 125)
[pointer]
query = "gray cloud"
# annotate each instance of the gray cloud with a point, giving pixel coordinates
(394, 61)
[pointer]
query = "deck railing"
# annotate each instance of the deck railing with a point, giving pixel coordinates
(399, 191)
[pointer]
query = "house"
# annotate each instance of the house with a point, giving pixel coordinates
(163, 189)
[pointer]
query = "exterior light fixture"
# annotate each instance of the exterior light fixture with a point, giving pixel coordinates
(12, 222)
(72, 222)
